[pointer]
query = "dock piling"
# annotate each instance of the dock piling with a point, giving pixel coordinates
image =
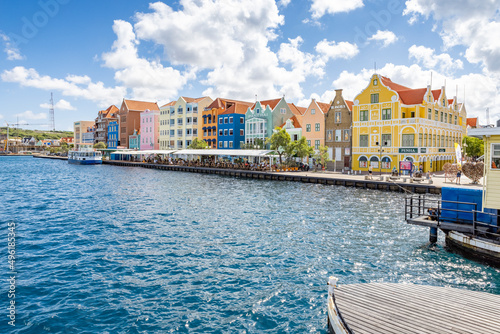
(433, 235)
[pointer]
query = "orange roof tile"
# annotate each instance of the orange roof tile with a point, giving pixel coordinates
(238, 107)
(436, 93)
(169, 104)
(295, 121)
(472, 122)
(141, 105)
(193, 100)
(392, 85)
(412, 96)
(349, 104)
(296, 110)
(271, 103)
(323, 106)
(216, 104)
(450, 101)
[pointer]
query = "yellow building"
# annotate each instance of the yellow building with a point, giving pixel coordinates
(393, 123)
(491, 181)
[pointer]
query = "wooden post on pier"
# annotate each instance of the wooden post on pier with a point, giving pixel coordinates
(433, 235)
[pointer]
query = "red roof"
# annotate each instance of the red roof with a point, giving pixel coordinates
(271, 103)
(436, 93)
(472, 122)
(450, 101)
(295, 122)
(192, 100)
(392, 85)
(412, 96)
(323, 106)
(296, 110)
(169, 104)
(349, 104)
(140, 105)
(238, 107)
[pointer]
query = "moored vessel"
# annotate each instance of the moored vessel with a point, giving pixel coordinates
(85, 156)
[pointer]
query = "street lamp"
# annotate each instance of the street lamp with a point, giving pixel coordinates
(380, 151)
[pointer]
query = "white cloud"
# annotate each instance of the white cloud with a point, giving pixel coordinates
(95, 92)
(11, 50)
(427, 57)
(332, 50)
(60, 105)
(465, 22)
(386, 37)
(322, 7)
(284, 3)
(28, 114)
(149, 80)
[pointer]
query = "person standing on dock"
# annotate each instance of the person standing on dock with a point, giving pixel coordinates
(459, 174)
(370, 171)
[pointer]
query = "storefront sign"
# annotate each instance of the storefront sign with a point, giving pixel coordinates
(405, 165)
(423, 150)
(442, 150)
(408, 150)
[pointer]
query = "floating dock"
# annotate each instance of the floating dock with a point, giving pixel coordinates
(375, 308)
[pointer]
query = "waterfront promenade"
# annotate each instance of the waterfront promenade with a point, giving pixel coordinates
(380, 182)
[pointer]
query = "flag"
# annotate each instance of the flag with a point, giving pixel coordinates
(458, 152)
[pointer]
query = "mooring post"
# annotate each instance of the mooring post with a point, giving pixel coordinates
(433, 235)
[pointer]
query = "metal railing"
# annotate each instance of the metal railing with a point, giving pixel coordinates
(422, 205)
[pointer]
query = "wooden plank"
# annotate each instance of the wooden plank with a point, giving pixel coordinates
(407, 308)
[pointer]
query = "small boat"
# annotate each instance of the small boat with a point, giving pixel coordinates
(85, 156)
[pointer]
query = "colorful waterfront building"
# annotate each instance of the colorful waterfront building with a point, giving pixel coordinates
(263, 116)
(313, 123)
(104, 117)
(130, 118)
(293, 127)
(79, 129)
(135, 140)
(394, 123)
(150, 130)
(183, 121)
(230, 131)
(113, 134)
(167, 126)
(338, 139)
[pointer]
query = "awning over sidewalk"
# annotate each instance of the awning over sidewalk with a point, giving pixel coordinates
(240, 153)
(146, 152)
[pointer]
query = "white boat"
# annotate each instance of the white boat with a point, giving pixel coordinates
(85, 156)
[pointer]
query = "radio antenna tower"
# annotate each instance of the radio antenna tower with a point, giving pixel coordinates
(487, 117)
(51, 113)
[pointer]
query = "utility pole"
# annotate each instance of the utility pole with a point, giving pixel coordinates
(380, 151)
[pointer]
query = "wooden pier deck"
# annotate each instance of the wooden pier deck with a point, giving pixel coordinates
(375, 308)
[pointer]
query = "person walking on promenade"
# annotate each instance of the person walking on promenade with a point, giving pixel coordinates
(370, 171)
(459, 174)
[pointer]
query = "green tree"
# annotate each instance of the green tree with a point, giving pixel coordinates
(279, 141)
(100, 145)
(197, 144)
(322, 155)
(301, 149)
(474, 147)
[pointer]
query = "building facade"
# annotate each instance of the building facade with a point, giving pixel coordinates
(263, 117)
(79, 128)
(313, 123)
(338, 122)
(394, 123)
(181, 125)
(113, 135)
(231, 124)
(135, 140)
(293, 127)
(150, 130)
(130, 118)
(104, 117)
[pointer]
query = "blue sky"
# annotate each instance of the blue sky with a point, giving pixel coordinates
(91, 54)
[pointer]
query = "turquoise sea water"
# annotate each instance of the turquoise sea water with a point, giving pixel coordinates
(104, 249)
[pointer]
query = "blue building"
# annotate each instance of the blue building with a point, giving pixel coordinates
(231, 125)
(112, 135)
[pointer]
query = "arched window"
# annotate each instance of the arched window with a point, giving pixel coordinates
(363, 162)
(374, 162)
(386, 163)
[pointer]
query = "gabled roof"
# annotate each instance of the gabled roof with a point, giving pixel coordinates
(295, 122)
(450, 101)
(392, 85)
(412, 96)
(170, 104)
(216, 104)
(271, 103)
(472, 122)
(436, 93)
(323, 106)
(237, 107)
(349, 104)
(108, 113)
(298, 111)
(140, 105)
(193, 100)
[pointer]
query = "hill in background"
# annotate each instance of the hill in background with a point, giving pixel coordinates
(38, 134)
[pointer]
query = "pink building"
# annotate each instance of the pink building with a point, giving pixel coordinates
(150, 130)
